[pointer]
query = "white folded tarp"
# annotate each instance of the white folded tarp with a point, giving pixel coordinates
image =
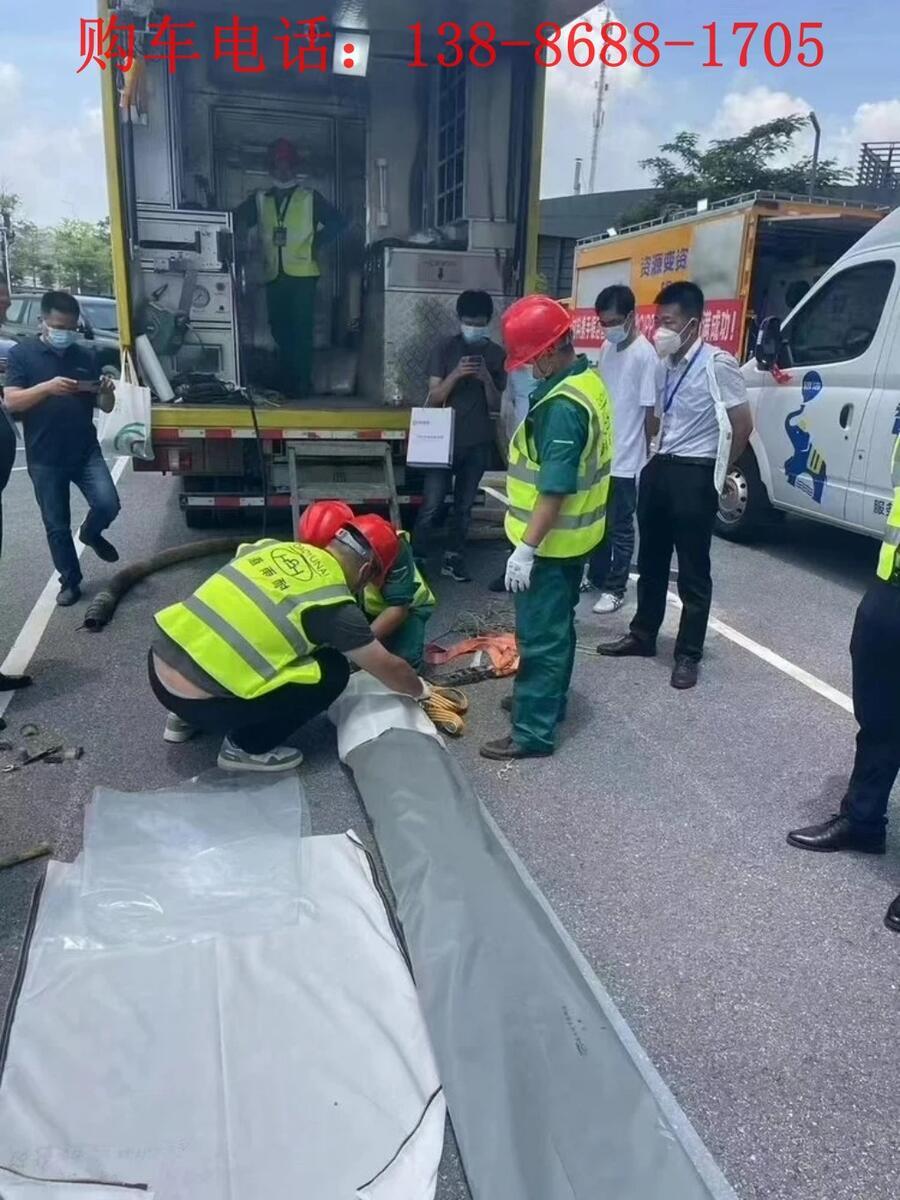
(288, 1062)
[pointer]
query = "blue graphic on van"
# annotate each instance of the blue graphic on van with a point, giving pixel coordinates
(806, 469)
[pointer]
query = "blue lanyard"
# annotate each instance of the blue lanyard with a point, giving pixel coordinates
(671, 396)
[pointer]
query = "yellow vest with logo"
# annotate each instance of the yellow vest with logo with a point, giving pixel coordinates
(889, 558)
(298, 227)
(374, 602)
(581, 523)
(244, 625)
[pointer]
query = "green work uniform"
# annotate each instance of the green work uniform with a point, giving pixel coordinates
(403, 587)
(545, 614)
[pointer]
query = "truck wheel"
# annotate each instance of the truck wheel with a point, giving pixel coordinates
(744, 507)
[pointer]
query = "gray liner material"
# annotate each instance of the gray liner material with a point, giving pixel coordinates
(550, 1095)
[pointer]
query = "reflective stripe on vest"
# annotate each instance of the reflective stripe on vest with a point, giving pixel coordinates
(889, 558)
(581, 523)
(244, 625)
(298, 228)
(374, 602)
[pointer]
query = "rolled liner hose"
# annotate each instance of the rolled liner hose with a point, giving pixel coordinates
(101, 609)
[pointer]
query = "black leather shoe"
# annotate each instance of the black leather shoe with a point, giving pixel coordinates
(628, 646)
(837, 833)
(498, 584)
(892, 916)
(13, 683)
(100, 546)
(684, 673)
(68, 596)
(505, 748)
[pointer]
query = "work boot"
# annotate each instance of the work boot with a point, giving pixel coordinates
(68, 596)
(454, 568)
(13, 683)
(498, 584)
(100, 546)
(684, 673)
(282, 758)
(628, 646)
(506, 748)
(892, 916)
(177, 730)
(837, 833)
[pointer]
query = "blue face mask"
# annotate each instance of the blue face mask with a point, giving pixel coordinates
(60, 339)
(473, 333)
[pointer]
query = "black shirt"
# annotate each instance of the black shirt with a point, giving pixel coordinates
(59, 432)
(473, 425)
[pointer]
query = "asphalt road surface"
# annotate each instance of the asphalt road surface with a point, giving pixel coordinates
(759, 979)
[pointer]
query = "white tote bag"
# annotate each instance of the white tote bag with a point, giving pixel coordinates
(126, 430)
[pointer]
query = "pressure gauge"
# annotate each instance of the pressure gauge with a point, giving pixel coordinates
(201, 297)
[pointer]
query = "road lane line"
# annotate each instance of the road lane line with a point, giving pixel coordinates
(23, 648)
(799, 674)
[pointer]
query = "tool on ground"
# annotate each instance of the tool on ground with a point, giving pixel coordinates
(14, 860)
(500, 648)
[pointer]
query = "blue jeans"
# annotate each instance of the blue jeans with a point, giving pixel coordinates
(51, 487)
(611, 561)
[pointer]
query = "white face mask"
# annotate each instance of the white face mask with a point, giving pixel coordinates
(616, 334)
(669, 341)
(284, 184)
(473, 333)
(59, 339)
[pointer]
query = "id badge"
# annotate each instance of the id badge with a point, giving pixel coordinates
(281, 236)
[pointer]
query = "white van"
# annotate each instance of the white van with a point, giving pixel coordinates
(825, 392)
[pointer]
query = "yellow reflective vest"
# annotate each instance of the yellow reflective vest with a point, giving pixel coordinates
(244, 625)
(286, 227)
(374, 602)
(582, 519)
(889, 558)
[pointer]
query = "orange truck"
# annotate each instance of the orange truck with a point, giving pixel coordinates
(754, 256)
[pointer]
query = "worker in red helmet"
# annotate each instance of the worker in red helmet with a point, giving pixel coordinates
(557, 485)
(398, 601)
(293, 223)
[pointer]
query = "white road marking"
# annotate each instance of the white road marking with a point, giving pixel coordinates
(23, 648)
(839, 698)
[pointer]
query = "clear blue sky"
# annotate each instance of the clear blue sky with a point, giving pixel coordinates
(50, 149)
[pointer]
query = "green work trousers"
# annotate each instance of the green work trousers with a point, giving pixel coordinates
(545, 631)
(408, 642)
(292, 313)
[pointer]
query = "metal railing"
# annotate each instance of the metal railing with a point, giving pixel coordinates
(879, 166)
(744, 200)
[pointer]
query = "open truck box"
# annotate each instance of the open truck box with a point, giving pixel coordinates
(435, 171)
(753, 256)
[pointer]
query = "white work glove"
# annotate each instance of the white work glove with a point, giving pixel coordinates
(426, 690)
(519, 566)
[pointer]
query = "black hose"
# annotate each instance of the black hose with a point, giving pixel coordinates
(101, 608)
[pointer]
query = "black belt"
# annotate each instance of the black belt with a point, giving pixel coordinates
(690, 462)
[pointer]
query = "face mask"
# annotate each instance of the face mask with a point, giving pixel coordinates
(59, 339)
(472, 333)
(284, 184)
(616, 334)
(669, 341)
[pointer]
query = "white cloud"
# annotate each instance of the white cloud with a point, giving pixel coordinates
(56, 174)
(11, 81)
(740, 111)
(876, 121)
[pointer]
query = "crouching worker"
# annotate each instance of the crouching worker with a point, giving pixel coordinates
(259, 649)
(398, 601)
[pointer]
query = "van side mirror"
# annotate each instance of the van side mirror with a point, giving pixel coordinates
(768, 343)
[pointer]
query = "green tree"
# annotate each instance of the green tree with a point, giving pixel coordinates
(31, 254)
(684, 173)
(82, 256)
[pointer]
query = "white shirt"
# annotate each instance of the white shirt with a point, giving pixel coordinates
(630, 378)
(690, 428)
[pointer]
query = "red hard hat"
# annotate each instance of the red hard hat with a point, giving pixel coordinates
(382, 537)
(320, 522)
(531, 326)
(282, 148)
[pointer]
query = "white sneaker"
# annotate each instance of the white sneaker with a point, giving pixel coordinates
(282, 758)
(608, 603)
(177, 731)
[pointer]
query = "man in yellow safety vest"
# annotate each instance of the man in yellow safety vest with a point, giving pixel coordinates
(875, 651)
(557, 486)
(258, 649)
(293, 223)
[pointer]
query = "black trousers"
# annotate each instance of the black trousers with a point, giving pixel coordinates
(7, 458)
(469, 464)
(677, 504)
(257, 726)
(875, 651)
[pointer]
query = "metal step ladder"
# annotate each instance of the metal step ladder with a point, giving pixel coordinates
(355, 453)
